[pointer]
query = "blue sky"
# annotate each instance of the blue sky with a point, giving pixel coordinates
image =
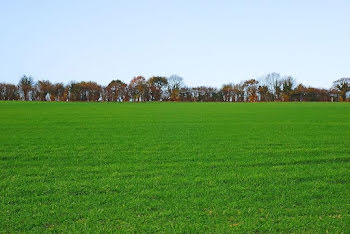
(205, 42)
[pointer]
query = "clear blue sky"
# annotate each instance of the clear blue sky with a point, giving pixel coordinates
(205, 42)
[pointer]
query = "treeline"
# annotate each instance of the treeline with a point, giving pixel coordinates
(272, 87)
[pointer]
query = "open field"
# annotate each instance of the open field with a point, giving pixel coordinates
(175, 167)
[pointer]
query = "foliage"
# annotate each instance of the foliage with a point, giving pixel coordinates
(273, 87)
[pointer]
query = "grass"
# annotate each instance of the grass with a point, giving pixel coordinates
(174, 167)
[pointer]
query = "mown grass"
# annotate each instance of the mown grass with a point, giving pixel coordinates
(174, 167)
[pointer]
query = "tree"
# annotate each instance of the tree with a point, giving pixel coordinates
(264, 93)
(58, 92)
(44, 88)
(343, 86)
(84, 91)
(288, 84)
(8, 92)
(204, 94)
(299, 93)
(156, 88)
(186, 94)
(73, 92)
(157, 85)
(274, 82)
(175, 83)
(138, 88)
(228, 93)
(251, 89)
(116, 91)
(238, 89)
(93, 89)
(334, 94)
(26, 85)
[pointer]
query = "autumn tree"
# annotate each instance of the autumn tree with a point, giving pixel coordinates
(26, 84)
(334, 95)
(239, 90)
(271, 88)
(251, 87)
(317, 95)
(288, 84)
(57, 92)
(208, 94)
(8, 92)
(156, 85)
(93, 91)
(44, 88)
(299, 93)
(264, 93)
(186, 95)
(116, 91)
(228, 93)
(138, 88)
(73, 91)
(343, 86)
(216, 95)
(84, 91)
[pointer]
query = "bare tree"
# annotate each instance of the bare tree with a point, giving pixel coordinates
(274, 83)
(175, 83)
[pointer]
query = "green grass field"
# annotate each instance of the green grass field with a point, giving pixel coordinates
(174, 167)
